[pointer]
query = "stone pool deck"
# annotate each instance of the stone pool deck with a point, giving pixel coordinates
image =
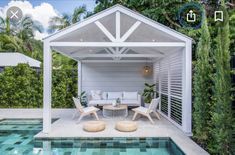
(66, 127)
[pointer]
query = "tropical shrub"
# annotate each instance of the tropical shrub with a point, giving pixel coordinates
(21, 87)
(64, 88)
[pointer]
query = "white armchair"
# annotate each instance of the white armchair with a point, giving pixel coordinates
(84, 111)
(147, 111)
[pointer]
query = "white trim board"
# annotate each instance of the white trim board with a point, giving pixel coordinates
(117, 44)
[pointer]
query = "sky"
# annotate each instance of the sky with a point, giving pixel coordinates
(43, 10)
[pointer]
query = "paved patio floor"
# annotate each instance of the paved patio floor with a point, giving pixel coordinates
(65, 126)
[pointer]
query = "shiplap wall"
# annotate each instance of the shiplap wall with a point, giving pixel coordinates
(114, 77)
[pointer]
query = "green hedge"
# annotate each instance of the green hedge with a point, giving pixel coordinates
(22, 87)
(64, 88)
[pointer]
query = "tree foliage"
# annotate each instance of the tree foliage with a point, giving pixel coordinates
(202, 87)
(64, 88)
(21, 86)
(222, 120)
(58, 23)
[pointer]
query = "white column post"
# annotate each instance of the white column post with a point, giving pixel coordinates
(46, 145)
(79, 78)
(47, 76)
(187, 89)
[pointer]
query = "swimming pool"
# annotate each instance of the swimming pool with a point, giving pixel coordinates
(16, 138)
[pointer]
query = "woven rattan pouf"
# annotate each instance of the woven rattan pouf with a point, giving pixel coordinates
(126, 126)
(94, 126)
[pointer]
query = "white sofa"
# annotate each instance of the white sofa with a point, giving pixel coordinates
(99, 98)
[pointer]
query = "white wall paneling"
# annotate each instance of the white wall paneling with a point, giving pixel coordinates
(114, 77)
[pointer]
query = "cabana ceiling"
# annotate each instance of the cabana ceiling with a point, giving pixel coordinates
(116, 34)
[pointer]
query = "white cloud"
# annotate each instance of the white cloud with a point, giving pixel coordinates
(41, 13)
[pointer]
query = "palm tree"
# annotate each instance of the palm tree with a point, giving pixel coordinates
(5, 26)
(58, 23)
(26, 27)
(10, 43)
(25, 30)
(18, 36)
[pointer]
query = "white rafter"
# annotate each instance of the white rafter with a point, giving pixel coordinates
(105, 31)
(108, 51)
(118, 44)
(130, 31)
(118, 61)
(118, 55)
(122, 50)
(112, 50)
(118, 26)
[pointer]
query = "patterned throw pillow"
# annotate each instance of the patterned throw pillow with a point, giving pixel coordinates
(96, 94)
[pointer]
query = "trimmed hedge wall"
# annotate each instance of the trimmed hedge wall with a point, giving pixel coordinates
(22, 87)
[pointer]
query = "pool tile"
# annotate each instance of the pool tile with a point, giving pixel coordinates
(16, 136)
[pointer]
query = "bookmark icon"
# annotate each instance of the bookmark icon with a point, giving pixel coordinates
(219, 16)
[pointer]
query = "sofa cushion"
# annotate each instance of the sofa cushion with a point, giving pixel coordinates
(96, 94)
(114, 95)
(104, 95)
(130, 102)
(100, 102)
(130, 95)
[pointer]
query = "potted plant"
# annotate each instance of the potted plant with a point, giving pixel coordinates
(148, 93)
(118, 101)
(83, 99)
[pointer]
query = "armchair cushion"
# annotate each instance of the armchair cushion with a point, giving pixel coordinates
(96, 94)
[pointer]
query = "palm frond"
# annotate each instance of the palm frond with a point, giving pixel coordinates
(76, 17)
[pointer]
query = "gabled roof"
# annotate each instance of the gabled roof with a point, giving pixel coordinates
(125, 11)
(115, 34)
(13, 59)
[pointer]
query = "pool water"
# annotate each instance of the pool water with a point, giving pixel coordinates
(16, 138)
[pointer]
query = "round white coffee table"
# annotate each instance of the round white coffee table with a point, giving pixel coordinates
(110, 111)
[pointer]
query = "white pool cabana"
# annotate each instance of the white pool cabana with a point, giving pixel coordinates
(119, 36)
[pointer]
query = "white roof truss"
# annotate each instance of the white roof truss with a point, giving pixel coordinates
(116, 46)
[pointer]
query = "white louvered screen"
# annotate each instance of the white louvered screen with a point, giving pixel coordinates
(176, 69)
(169, 71)
(164, 85)
(156, 68)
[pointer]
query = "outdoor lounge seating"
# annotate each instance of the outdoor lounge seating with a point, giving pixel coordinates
(94, 126)
(84, 111)
(147, 111)
(99, 98)
(126, 126)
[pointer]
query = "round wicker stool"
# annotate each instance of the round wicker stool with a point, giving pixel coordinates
(94, 126)
(126, 126)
